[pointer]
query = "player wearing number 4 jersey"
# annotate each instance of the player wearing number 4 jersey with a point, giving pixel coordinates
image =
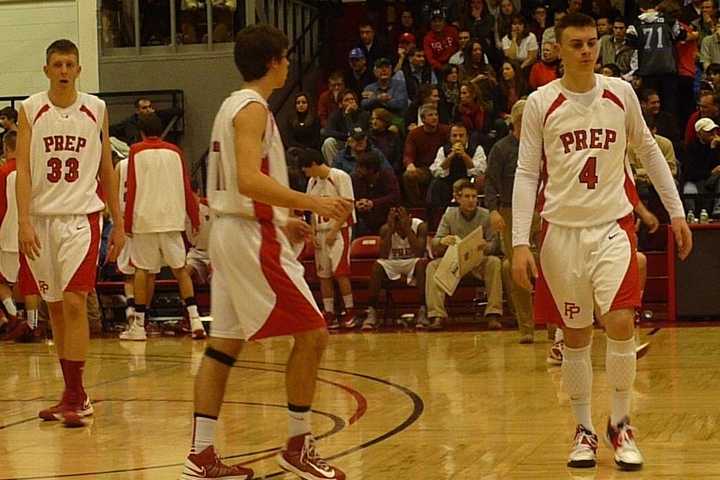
(63, 163)
(257, 284)
(575, 134)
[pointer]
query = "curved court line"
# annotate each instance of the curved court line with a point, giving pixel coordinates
(418, 408)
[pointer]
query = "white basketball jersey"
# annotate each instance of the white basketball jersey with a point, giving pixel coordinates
(122, 168)
(65, 153)
(224, 197)
(400, 248)
(337, 184)
(585, 175)
(9, 227)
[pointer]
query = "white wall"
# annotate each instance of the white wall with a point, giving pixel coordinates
(29, 26)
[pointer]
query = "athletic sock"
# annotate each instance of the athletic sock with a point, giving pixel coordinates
(74, 374)
(10, 306)
(203, 432)
(348, 302)
(577, 377)
(140, 314)
(620, 364)
(298, 420)
(191, 307)
(32, 319)
(559, 335)
(130, 308)
(329, 305)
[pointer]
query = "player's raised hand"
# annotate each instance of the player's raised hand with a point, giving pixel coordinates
(523, 266)
(297, 230)
(335, 208)
(683, 236)
(29, 241)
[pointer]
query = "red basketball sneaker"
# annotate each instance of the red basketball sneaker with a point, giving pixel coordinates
(52, 413)
(207, 464)
(299, 457)
(72, 415)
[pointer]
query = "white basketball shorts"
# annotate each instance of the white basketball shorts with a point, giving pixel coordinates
(151, 250)
(9, 266)
(124, 262)
(399, 267)
(332, 261)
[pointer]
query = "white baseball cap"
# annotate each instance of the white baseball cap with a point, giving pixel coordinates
(705, 125)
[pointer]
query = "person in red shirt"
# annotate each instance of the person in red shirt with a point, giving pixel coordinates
(546, 70)
(441, 42)
(330, 99)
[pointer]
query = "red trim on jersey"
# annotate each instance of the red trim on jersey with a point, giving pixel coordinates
(628, 295)
(44, 109)
(87, 112)
(292, 312)
(83, 280)
(554, 106)
(26, 280)
(613, 98)
(192, 208)
(630, 190)
(544, 306)
(131, 186)
(263, 211)
(540, 204)
(5, 171)
(343, 268)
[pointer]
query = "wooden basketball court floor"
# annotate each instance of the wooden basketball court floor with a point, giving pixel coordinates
(390, 406)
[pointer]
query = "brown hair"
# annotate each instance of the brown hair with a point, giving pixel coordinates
(255, 47)
(62, 46)
(577, 20)
(10, 140)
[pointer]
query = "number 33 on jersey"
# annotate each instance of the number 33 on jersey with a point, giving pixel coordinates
(65, 154)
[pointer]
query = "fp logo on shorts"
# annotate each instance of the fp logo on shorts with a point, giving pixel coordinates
(571, 310)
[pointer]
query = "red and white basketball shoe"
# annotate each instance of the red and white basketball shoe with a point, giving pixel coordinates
(622, 440)
(72, 416)
(331, 321)
(584, 449)
(207, 464)
(555, 355)
(301, 458)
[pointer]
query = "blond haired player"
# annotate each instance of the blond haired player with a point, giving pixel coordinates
(257, 284)
(575, 134)
(63, 162)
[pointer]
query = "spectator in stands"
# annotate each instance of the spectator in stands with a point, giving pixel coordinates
(341, 122)
(512, 86)
(387, 92)
(458, 158)
(548, 35)
(707, 21)
(666, 123)
(687, 53)
(574, 6)
(450, 87)
(420, 147)
(403, 241)
(331, 264)
(546, 70)
(708, 107)
(540, 21)
(8, 122)
(371, 46)
(457, 223)
(357, 144)
(477, 70)
(481, 23)
(359, 76)
(128, 130)
(386, 139)
(693, 11)
(503, 21)
(615, 48)
(441, 42)
(330, 100)
(302, 127)
(642, 181)
(406, 46)
(654, 37)
(427, 94)
(463, 40)
(710, 49)
(471, 111)
(520, 44)
(712, 75)
(610, 70)
(499, 182)
(603, 26)
(376, 190)
(702, 164)
(416, 72)
(407, 25)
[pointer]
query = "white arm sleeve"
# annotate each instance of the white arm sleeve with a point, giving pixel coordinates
(436, 168)
(527, 174)
(647, 150)
(479, 161)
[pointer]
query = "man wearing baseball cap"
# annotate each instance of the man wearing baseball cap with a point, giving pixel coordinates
(387, 92)
(702, 166)
(359, 76)
(441, 42)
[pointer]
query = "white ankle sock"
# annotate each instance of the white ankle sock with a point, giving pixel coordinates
(139, 318)
(348, 301)
(577, 377)
(10, 306)
(329, 305)
(32, 318)
(193, 311)
(559, 335)
(620, 364)
(203, 433)
(298, 423)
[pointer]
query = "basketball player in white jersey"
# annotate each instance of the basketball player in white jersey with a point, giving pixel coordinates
(63, 162)
(258, 289)
(575, 134)
(125, 266)
(332, 238)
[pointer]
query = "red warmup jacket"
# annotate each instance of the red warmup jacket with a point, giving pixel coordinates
(440, 46)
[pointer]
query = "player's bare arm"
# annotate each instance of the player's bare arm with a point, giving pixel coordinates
(249, 125)
(297, 230)
(109, 181)
(28, 239)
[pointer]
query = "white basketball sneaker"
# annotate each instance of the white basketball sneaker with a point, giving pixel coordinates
(584, 449)
(622, 439)
(135, 332)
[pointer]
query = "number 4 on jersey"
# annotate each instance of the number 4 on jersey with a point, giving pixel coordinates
(588, 174)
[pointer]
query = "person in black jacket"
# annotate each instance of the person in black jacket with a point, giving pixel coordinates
(128, 130)
(301, 130)
(341, 122)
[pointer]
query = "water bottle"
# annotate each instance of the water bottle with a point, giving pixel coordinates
(704, 216)
(690, 216)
